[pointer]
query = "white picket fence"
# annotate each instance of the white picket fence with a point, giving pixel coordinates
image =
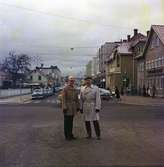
(13, 92)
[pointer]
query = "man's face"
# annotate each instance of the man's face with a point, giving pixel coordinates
(88, 81)
(71, 82)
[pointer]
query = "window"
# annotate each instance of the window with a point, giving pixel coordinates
(156, 63)
(153, 63)
(160, 61)
(39, 77)
(157, 42)
(118, 61)
(31, 77)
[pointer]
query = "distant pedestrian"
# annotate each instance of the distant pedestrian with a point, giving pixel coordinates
(117, 93)
(90, 106)
(144, 90)
(153, 91)
(70, 106)
(148, 91)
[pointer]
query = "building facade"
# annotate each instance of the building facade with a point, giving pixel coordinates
(89, 69)
(52, 72)
(154, 60)
(139, 61)
(46, 76)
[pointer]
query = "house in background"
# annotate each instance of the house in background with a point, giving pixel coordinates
(46, 76)
(139, 64)
(88, 71)
(154, 59)
(121, 63)
(4, 80)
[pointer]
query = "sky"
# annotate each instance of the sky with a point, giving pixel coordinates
(49, 28)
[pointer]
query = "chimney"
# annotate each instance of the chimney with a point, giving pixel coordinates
(128, 37)
(148, 33)
(135, 31)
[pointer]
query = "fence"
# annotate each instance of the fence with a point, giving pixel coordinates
(13, 92)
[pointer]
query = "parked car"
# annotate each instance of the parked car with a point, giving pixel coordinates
(38, 94)
(48, 92)
(105, 94)
(58, 89)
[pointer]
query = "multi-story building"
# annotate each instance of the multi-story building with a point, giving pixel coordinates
(46, 75)
(95, 66)
(154, 59)
(139, 64)
(53, 72)
(121, 63)
(89, 69)
(136, 43)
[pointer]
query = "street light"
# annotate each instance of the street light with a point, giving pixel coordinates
(20, 89)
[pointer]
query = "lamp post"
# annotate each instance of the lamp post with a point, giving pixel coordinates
(20, 86)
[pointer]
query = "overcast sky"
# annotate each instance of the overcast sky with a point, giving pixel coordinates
(49, 28)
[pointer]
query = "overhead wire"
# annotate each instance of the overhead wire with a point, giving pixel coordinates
(62, 16)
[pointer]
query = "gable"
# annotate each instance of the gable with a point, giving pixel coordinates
(153, 41)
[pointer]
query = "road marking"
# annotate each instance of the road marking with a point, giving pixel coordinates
(38, 101)
(27, 102)
(48, 101)
(53, 101)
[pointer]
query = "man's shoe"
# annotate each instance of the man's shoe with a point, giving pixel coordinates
(88, 137)
(73, 138)
(68, 138)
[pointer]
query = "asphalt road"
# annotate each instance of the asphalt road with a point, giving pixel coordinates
(32, 136)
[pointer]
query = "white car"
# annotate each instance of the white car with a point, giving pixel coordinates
(38, 94)
(105, 94)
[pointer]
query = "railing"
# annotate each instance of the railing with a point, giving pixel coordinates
(13, 92)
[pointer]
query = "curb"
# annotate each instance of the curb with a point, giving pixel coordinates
(148, 104)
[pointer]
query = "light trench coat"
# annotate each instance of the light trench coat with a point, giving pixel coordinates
(90, 101)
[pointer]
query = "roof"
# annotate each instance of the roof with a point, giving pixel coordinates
(139, 35)
(143, 39)
(47, 68)
(124, 48)
(159, 30)
(41, 73)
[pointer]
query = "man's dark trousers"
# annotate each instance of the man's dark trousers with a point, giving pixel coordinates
(68, 126)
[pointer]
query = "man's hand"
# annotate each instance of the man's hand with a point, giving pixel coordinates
(81, 111)
(97, 110)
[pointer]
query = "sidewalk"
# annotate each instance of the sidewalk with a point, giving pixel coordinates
(140, 100)
(15, 99)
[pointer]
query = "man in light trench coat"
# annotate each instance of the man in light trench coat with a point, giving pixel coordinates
(90, 105)
(70, 106)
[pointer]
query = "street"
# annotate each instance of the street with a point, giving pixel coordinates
(31, 135)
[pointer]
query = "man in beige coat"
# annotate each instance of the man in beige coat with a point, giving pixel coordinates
(70, 106)
(90, 105)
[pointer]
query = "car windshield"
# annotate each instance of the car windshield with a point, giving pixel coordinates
(37, 90)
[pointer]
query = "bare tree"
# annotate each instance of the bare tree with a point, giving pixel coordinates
(17, 66)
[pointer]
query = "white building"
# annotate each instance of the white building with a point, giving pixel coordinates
(46, 75)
